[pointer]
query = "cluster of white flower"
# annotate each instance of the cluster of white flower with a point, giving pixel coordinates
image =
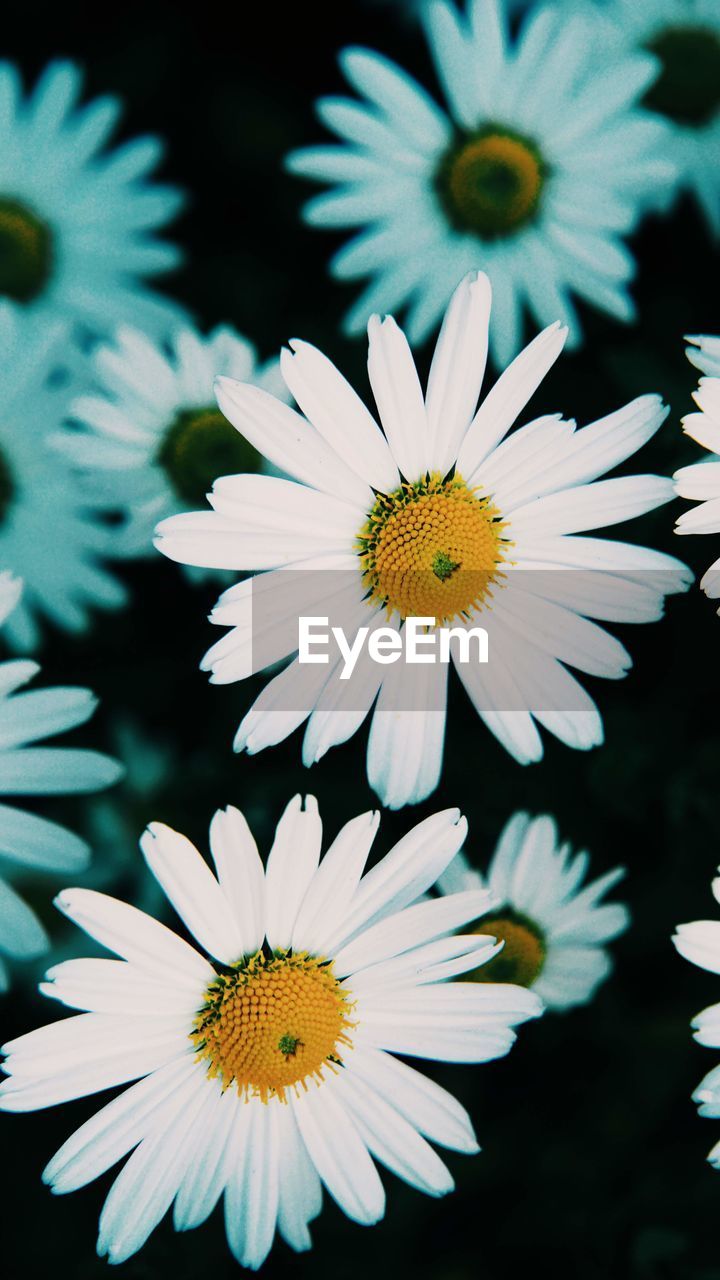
(265, 1063)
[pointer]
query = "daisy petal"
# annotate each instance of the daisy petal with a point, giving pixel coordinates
(339, 1155)
(508, 397)
(291, 865)
(398, 396)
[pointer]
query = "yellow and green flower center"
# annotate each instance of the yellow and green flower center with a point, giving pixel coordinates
(200, 445)
(432, 549)
(523, 956)
(26, 251)
(273, 1023)
(688, 87)
(491, 182)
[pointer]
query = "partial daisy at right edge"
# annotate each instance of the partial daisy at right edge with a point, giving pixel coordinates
(699, 942)
(701, 480)
(553, 926)
(684, 38)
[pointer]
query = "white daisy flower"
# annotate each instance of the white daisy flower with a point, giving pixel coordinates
(266, 1068)
(539, 166)
(28, 842)
(150, 439)
(445, 515)
(47, 534)
(554, 928)
(77, 224)
(699, 942)
(684, 37)
(701, 480)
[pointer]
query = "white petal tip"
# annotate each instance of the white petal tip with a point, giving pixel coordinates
(63, 900)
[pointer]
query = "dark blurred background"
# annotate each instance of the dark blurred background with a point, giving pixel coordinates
(593, 1159)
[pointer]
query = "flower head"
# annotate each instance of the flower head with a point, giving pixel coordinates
(701, 480)
(29, 843)
(76, 223)
(684, 38)
(536, 187)
(150, 439)
(266, 1066)
(445, 511)
(699, 942)
(553, 927)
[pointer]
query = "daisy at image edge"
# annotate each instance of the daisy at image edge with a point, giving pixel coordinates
(264, 1052)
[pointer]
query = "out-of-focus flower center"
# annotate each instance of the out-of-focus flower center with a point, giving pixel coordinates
(523, 956)
(491, 182)
(431, 549)
(688, 87)
(273, 1023)
(200, 445)
(25, 251)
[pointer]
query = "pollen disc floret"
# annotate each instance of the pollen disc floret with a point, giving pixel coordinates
(523, 955)
(273, 1023)
(490, 182)
(431, 548)
(25, 251)
(688, 87)
(200, 445)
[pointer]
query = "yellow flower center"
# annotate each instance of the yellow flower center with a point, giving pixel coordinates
(432, 549)
(200, 445)
(273, 1023)
(523, 956)
(25, 251)
(490, 182)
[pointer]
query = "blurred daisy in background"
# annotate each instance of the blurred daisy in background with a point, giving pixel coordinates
(701, 480)
(78, 224)
(431, 516)
(699, 942)
(149, 439)
(48, 536)
(684, 37)
(28, 842)
(541, 164)
(266, 1066)
(553, 927)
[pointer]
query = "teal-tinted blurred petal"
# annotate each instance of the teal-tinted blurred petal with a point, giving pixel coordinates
(567, 96)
